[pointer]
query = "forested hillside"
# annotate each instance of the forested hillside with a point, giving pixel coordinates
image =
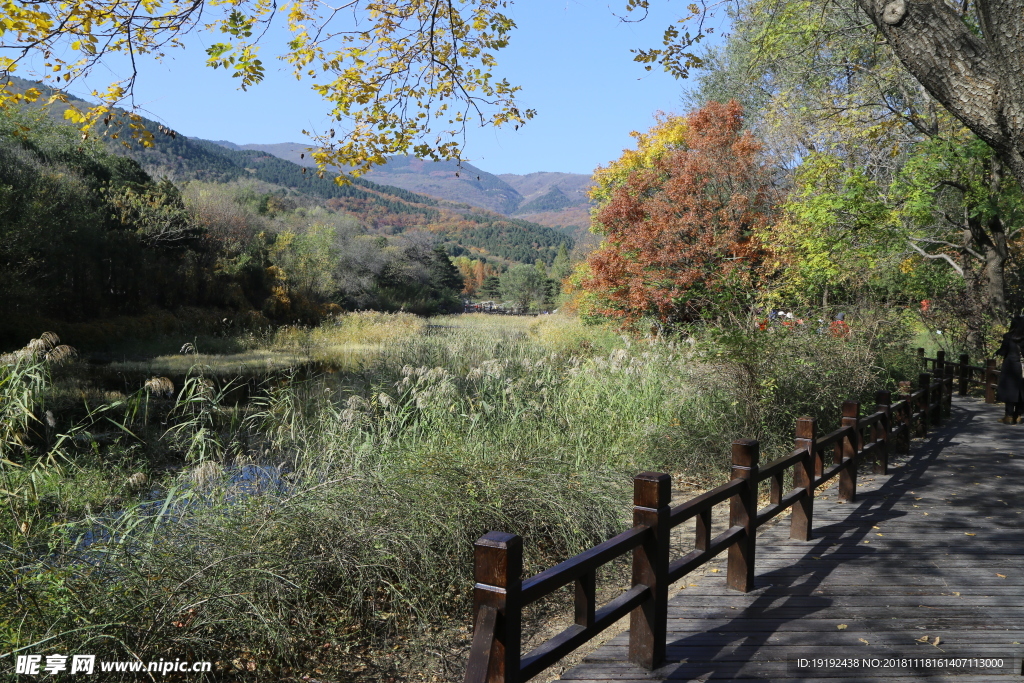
(89, 235)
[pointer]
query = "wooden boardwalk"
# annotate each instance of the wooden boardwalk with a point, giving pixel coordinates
(928, 563)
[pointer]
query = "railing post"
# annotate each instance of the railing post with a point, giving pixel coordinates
(924, 383)
(940, 363)
(906, 417)
(851, 447)
(991, 379)
(947, 392)
(802, 519)
(498, 568)
(880, 432)
(648, 623)
(920, 357)
(746, 453)
(965, 374)
(935, 397)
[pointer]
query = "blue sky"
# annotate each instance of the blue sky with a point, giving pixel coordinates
(572, 58)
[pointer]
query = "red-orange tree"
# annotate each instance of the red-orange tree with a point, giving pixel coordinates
(679, 233)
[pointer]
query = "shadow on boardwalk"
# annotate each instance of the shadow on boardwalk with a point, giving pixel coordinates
(926, 566)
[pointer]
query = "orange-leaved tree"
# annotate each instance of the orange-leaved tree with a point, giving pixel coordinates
(679, 231)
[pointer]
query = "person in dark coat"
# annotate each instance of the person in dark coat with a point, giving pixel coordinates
(1011, 378)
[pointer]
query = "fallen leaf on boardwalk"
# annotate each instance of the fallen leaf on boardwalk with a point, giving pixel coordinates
(1001, 576)
(968, 533)
(867, 541)
(937, 641)
(815, 558)
(863, 641)
(841, 627)
(876, 527)
(924, 639)
(956, 594)
(693, 584)
(879, 534)
(918, 499)
(924, 513)
(715, 571)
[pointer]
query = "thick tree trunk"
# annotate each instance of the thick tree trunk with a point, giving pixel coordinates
(995, 269)
(977, 78)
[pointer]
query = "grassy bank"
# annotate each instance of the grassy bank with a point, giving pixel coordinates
(326, 524)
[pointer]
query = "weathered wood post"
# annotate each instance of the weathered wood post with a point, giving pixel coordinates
(947, 393)
(851, 447)
(802, 519)
(924, 383)
(920, 357)
(648, 623)
(940, 363)
(880, 432)
(746, 454)
(965, 374)
(906, 417)
(991, 380)
(498, 568)
(935, 396)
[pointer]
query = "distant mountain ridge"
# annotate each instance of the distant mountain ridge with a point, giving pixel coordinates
(508, 193)
(384, 209)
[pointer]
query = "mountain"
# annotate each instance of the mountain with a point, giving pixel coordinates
(541, 193)
(381, 208)
(459, 182)
(573, 186)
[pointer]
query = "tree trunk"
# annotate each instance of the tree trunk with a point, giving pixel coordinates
(976, 77)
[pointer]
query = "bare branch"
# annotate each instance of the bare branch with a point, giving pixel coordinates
(946, 257)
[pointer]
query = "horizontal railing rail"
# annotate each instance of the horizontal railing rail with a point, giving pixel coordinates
(500, 592)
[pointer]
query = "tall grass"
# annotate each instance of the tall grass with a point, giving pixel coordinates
(328, 524)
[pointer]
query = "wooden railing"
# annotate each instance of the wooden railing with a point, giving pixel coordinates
(965, 372)
(501, 593)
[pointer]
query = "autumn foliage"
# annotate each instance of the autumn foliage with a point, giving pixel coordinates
(679, 232)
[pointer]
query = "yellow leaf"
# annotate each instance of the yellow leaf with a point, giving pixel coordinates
(841, 627)
(863, 641)
(1001, 576)
(937, 641)
(879, 534)
(715, 571)
(968, 533)
(923, 639)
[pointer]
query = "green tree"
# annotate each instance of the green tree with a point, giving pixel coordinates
(491, 287)
(523, 286)
(562, 266)
(308, 260)
(444, 275)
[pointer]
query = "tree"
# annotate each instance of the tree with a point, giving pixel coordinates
(400, 75)
(967, 55)
(680, 234)
(970, 57)
(885, 178)
(490, 288)
(523, 286)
